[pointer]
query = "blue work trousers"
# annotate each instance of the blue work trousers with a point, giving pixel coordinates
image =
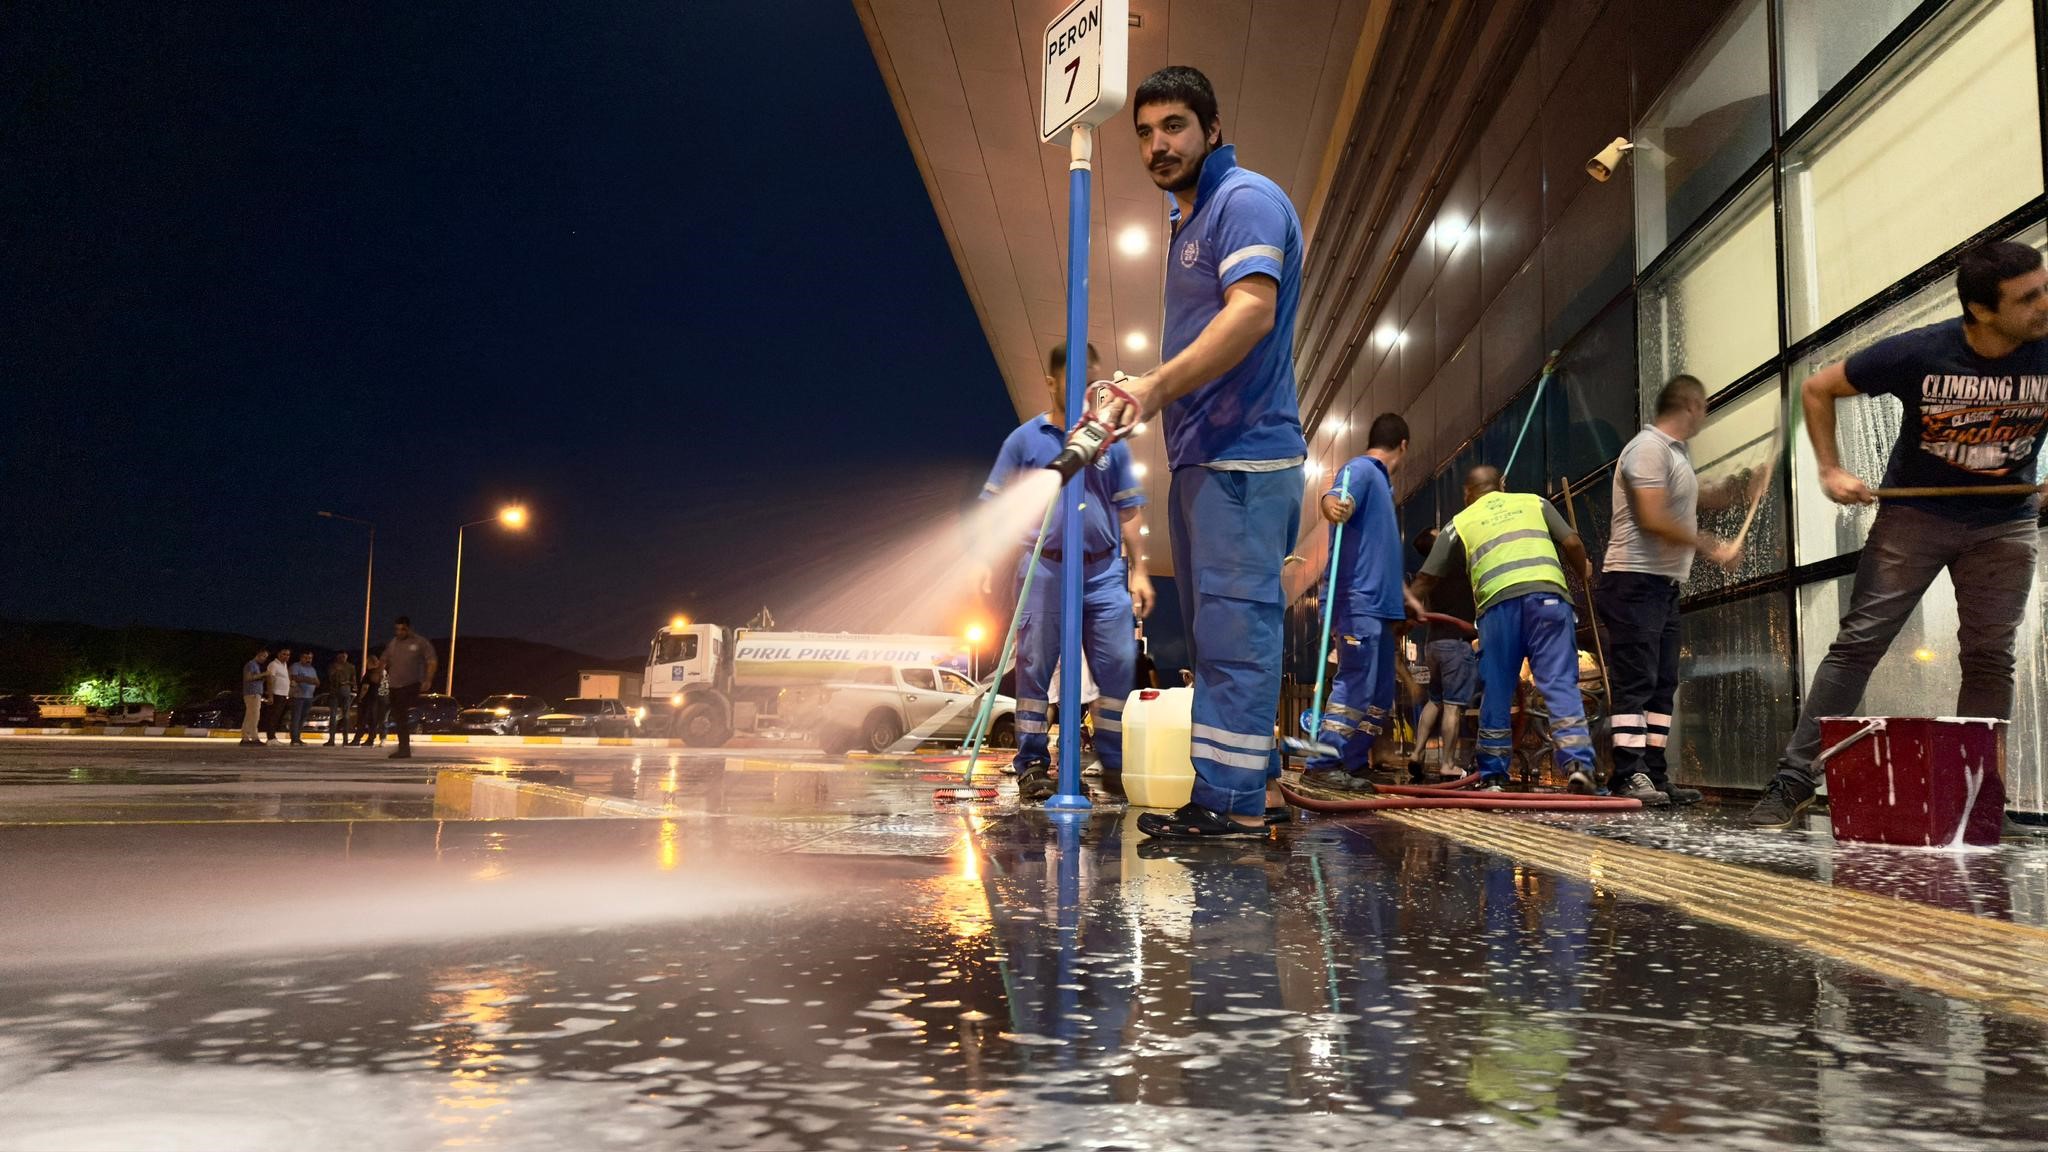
(1108, 637)
(1230, 531)
(1363, 696)
(1541, 628)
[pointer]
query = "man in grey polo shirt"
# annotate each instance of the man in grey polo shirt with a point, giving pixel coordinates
(409, 667)
(1650, 547)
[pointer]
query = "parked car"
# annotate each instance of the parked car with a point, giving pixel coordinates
(19, 710)
(505, 715)
(590, 716)
(873, 710)
(320, 714)
(221, 710)
(435, 713)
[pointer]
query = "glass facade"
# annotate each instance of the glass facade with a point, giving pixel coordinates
(1913, 130)
(1711, 125)
(1942, 142)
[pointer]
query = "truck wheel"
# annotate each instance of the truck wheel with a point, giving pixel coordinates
(835, 741)
(881, 730)
(1002, 732)
(703, 726)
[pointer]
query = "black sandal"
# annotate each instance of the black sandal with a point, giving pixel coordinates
(1194, 822)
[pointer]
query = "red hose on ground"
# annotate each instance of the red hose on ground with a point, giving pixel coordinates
(1496, 801)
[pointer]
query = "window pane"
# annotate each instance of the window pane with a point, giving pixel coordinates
(1713, 312)
(1735, 692)
(1865, 426)
(1824, 39)
(1942, 141)
(1741, 437)
(1709, 127)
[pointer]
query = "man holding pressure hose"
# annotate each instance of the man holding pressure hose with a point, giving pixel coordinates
(1975, 391)
(1233, 441)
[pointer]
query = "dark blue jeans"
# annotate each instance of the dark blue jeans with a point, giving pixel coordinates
(1992, 567)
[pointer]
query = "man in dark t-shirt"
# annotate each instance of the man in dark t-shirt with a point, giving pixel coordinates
(1975, 391)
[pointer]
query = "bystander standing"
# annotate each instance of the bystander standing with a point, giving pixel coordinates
(277, 689)
(305, 682)
(341, 689)
(254, 676)
(409, 667)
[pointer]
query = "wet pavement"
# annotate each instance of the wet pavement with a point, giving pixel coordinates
(794, 952)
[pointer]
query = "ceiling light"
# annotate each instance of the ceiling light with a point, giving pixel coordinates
(1138, 470)
(1387, 336)
(1136, 342)
(1133, 241)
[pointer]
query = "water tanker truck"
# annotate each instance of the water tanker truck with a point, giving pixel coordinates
(842, 690)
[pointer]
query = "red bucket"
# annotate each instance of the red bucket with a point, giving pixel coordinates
(1915, 781)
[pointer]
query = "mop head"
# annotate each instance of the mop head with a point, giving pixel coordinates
(1302, 748)
(964, 794)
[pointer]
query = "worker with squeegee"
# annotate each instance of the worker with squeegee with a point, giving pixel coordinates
(1510, 543)
(1111, 524)
(1367, 597)
(1960, 493)
(1650, 546)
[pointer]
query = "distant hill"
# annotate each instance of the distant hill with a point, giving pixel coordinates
(170, 666)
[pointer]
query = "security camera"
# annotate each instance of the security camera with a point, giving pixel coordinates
(1602, 166)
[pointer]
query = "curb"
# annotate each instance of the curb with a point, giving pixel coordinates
(418, 738)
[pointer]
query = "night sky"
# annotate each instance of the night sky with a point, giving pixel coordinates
(664, 271)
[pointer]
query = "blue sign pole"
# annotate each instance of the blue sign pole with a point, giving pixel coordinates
(1073, 548)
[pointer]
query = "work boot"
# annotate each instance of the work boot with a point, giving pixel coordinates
(1415, 773)
(1637, 786)
(1494, 783)
(1034, 784)
(1679, 793)
(403, 753)
(1581, 784)
(1783, 804)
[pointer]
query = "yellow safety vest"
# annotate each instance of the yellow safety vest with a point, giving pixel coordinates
(1507, 543)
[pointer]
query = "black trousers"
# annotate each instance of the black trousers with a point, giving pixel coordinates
(273, 711)
(1640, 613)
(404, 698)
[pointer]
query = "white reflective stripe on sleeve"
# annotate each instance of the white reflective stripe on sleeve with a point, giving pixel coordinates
(1250, 252)
(1659, 720)
(1127, 493)
(1256, 761)
(1105, 724)
(991, 489)
(1229, 739)
(1628, 720)
(1630, 740)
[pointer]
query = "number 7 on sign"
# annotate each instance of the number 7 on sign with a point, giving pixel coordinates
(1073, 71)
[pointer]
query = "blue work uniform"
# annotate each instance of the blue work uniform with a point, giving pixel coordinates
(1236, 451)
(1525, 612)
(1367, 605)
(1107, 634)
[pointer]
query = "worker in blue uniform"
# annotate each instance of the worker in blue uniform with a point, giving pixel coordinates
(1515, 547)
(1233, 440)
(1113, 592)
(1368, 609)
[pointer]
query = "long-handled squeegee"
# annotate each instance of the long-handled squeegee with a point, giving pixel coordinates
(1309, 744)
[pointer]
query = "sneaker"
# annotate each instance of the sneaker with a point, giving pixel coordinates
(1035, 784)
(1637, 786)
(1194, 822)
(1679, 793)
(1581, 784)
(1493, 783)
(1335, 780)
(1783, 803)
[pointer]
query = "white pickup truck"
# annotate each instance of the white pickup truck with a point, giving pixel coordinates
(881, 703)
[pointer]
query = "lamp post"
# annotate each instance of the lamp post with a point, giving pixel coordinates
(369, 577)
(975, 635)
(512, 516)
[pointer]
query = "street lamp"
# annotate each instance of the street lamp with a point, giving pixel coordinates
(512, 516)
(975, 635)
(369, 577)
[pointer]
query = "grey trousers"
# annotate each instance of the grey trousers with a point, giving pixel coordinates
(1992, 568)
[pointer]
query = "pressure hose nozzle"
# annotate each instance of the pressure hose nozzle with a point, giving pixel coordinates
(1096, 431)
(1088, 440)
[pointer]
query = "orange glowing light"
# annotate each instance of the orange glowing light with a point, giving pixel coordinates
(513, 516)
(976, 633)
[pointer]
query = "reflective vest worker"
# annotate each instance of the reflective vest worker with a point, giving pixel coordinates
(1510, 544)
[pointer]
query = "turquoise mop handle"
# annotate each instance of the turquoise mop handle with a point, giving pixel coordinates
(1315, 704)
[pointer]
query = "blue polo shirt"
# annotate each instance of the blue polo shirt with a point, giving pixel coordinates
(1242, 225)
(1110, 482)
(1369, 570)
(301, 690)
